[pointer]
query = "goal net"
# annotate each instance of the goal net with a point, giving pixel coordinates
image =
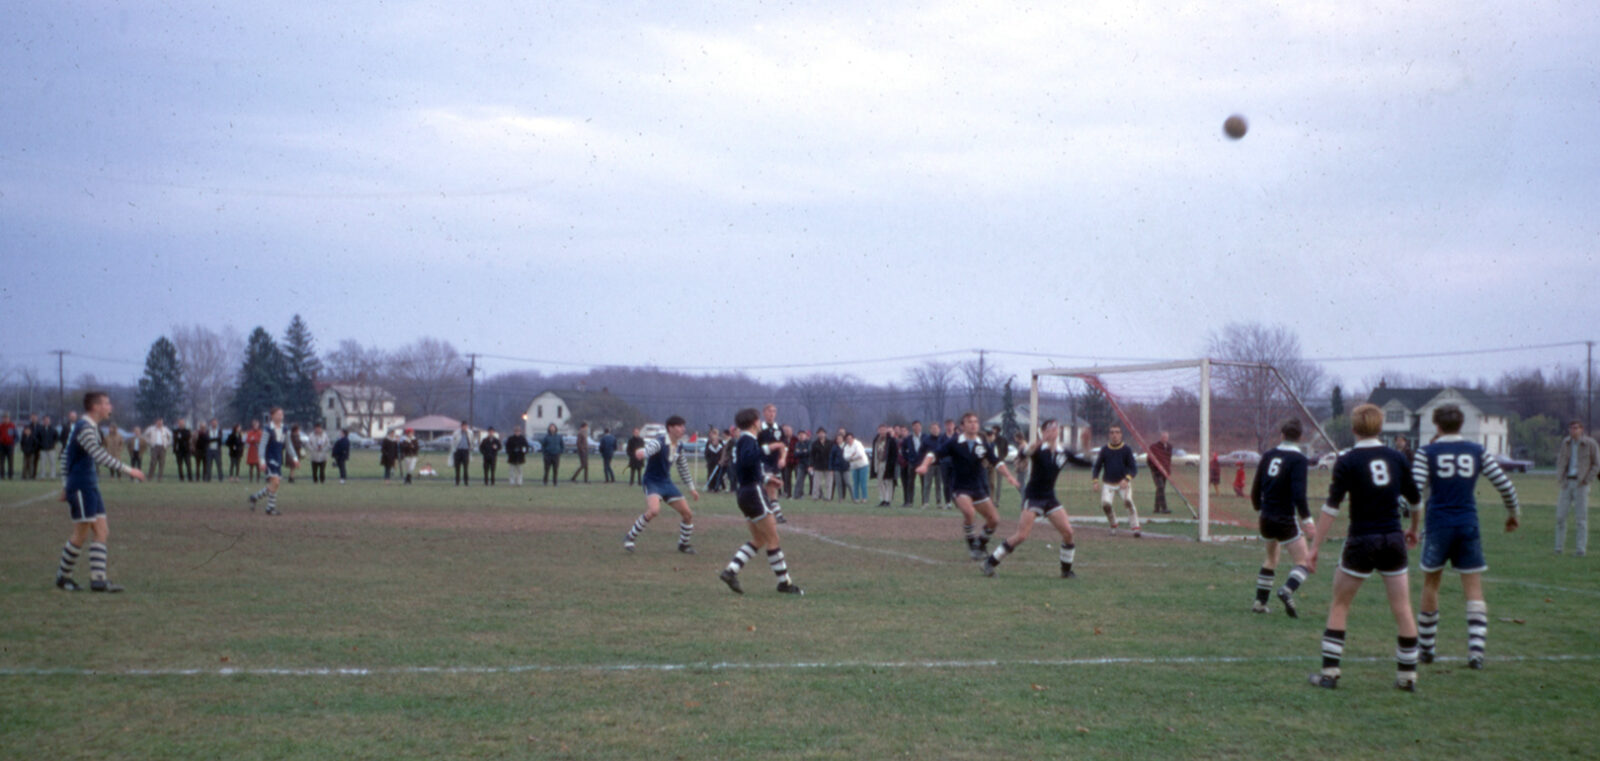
(1217, 416)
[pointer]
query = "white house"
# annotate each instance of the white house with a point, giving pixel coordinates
(367, 410)
(546, 408)
(1409, 411)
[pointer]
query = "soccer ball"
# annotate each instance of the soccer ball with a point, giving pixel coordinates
(1235, 126)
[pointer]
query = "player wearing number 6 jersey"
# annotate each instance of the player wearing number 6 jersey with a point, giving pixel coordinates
(1375, 478)
(1279, 494)
(1448, 468)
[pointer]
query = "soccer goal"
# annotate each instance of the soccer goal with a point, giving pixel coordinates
(1217, 414)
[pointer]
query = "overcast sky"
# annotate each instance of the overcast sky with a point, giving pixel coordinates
(764, 184)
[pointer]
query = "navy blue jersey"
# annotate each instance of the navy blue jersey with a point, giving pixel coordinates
(966, 458)
(749, 460)
(1279, 490)
(274, 445)
(1449, 469)
(660, 455)
(1375, 477)
(79, 457)
(1044, 467)
(1116, 463)
(770, 434)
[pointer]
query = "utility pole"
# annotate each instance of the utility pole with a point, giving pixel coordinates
(61, 382)
(979, 391)
(1588, 386)
(472, 388)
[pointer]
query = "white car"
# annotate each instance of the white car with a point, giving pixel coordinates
(1179, 457)
(1246, 456)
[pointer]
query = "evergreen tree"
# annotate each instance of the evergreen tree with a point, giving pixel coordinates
(263, 378)
(301, 367)
(1008, 413)
(1336, 403)
(161, 388)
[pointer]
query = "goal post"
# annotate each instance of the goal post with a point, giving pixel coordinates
(1178, 396)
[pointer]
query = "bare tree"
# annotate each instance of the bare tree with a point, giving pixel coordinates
(820, 394)
(360, 372)
(429, 376)
(979, 378)
(1259, 398)
(209, 359)
(930, 384)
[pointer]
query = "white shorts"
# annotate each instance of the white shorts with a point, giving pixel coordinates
(1109, 492)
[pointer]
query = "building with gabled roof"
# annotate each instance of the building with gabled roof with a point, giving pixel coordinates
(1409, 412)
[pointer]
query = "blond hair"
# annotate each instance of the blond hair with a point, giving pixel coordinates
(1366, 421)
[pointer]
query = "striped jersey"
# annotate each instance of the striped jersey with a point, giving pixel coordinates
(1449, 469)
(274, 445)
(659, 454)
(80, 456)
(1375, 478)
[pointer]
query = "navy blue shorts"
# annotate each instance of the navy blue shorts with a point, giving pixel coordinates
(1279, 529)
(977, 495)
(1365, 553)
(1459, 545)
(85, 505)
(753, 502)
(1041, 506)
(666, 490)
(273, 468)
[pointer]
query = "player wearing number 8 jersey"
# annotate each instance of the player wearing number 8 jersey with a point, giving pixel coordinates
(1448, 468)
(1375, 478)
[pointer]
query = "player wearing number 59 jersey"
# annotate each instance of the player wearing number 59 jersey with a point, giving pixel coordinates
(1448, 468)
(1375, 478)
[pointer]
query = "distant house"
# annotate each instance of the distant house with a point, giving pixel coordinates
(1047, 410)
(566, 409)
(432, 427)
(364, 409)
(1409, 411)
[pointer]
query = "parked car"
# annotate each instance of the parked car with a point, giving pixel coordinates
(1246, 456)
(361, 442)
(1179, 457)
(1512, 464)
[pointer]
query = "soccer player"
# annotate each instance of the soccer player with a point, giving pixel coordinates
(1046, 456)
(751, 480)
(1279, 494)
(274, 448)
(80, 489)
(1449, 469)
(1117, 464)
(966, 454)
(771, 440)
(657, 454)
(1374, 476)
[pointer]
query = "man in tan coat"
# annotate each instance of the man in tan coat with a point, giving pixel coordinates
(1577, 462)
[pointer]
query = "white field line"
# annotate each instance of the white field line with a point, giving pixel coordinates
(614, 668)
(31, 500)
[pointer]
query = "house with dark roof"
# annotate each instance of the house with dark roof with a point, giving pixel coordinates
(1409, 412)
(567, 408)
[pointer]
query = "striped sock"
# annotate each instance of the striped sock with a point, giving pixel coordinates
(97, 561)
(685, 533)
(777, 509)
(988, 533)
(780, 567)
(741, 556)
(259, 494)
(972, 534)
(1332, 651)
(69, 558)
(1000, 552)
(1405, 656)
(272, 502)
(1067, 553)
(1477, 628)
(1297, 575)
(638, 526)
(1264, 584)
(1427, 629)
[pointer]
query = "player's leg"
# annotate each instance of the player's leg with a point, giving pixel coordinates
(1428, 613)
(1398, 586)
(984, 506)
(652, 507)
(1264, 577)
(1126, 492)
(1477, 618)
(773, 484)
(1345, 586)
(73, 549)
(1299, 553)
(98, 581)
(969, 526)
(1069, 546)
(273, 483)
(1011, 543)
(1108, 496)
(685, 525)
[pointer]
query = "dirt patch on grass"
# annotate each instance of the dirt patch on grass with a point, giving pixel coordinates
(543, 523)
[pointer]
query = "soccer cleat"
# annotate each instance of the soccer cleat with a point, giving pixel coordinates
(1324, 681)
(104, 586)
(1066, 573)
(1425, 655)
(1287, 598)
(271, 511)
(67, 584)
(686, 549)
(987, 567)
(1136, 533)
(975, 553)
(1408, 685)
(1475, 662)
(731, 579)
(627, 544)
(788, 588)
(1258, 607)
(782, 519)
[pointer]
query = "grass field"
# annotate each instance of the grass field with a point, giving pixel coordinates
(377, 621)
